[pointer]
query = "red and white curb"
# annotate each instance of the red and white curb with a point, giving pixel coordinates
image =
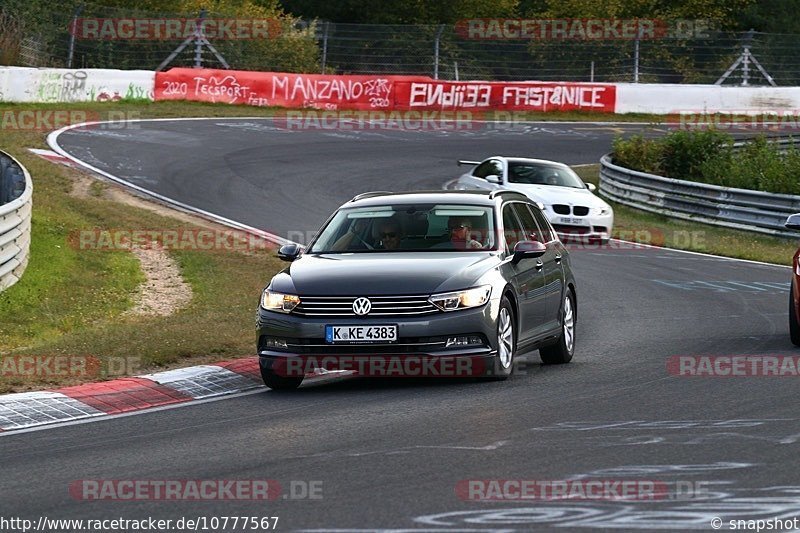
(53, 157)
(126, 395)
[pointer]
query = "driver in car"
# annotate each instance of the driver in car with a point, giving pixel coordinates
(460, 230)
(390, 235)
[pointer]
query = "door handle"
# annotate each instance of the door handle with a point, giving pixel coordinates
(539, 265)
(558, 258)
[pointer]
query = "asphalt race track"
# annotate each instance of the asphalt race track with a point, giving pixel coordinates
(389, 455)
(256, 172)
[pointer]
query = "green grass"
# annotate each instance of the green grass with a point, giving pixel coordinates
(73, 302)
(651, 228)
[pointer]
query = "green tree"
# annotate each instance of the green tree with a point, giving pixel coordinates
(400, 11)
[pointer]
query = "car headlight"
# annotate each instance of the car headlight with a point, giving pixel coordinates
(602, 211)
(276, 301)
(452, 301)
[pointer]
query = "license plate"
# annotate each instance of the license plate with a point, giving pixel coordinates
(568, 220)
(360, 334)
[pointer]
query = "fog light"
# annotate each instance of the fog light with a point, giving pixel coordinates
(465, 340)
(272, 342)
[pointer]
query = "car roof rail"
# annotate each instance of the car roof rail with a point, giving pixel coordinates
(498, 192)
(369, 195)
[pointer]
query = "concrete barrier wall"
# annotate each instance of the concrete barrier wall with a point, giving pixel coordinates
(21, 84)
(663, 99)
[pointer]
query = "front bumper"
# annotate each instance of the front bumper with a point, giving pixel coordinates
(421, 344)
(590, 227)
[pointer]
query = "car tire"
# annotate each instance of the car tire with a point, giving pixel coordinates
(277, 382)
(502, 364)
(562, 350)
(794, 327)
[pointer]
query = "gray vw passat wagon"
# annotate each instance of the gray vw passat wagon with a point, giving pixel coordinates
(438, 277)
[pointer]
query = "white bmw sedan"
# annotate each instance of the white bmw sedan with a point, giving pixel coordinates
(570, 204)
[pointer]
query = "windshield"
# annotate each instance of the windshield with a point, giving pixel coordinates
(543, 174)
(407, 228)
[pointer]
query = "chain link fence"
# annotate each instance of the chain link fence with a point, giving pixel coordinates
(442, 52)
(439, 51)
(53, 38)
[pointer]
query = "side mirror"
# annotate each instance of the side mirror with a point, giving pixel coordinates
(493, 178)
(528, 250)
(793, 222)
(591, 187)
(289, 252)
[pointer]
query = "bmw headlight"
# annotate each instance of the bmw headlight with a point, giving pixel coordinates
(276, 301)
(602, 211)
(452, 301)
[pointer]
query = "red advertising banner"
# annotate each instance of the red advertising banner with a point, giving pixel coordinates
(375, 92)
(506, 96)
(318, 91)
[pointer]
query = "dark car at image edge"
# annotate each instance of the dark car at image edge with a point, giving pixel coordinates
(793, 223)
(441, 275)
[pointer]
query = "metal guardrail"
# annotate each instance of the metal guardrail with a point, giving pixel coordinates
(781, 142)
(16, 200)
(742, 209)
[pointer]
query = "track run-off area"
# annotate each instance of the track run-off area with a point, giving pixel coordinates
(389, 455)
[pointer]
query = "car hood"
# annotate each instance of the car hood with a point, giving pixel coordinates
(383, 273)
(553, 194)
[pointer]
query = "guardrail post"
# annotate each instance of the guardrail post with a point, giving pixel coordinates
(636, 56)
(436, 52)
(324, 46)
(198, 41)
(73, 28)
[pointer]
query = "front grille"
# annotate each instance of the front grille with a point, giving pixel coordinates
(580, 210)
(404, 345)
(572, 230)
(561, 209)
(382, 306)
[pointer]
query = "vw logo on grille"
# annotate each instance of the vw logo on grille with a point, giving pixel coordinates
(362, 306)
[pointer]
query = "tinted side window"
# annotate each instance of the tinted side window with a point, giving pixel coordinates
(492, 166)
(548, 234)
(532, 231)
(512, 231)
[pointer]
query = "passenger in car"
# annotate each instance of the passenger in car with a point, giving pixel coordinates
(459, 229)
